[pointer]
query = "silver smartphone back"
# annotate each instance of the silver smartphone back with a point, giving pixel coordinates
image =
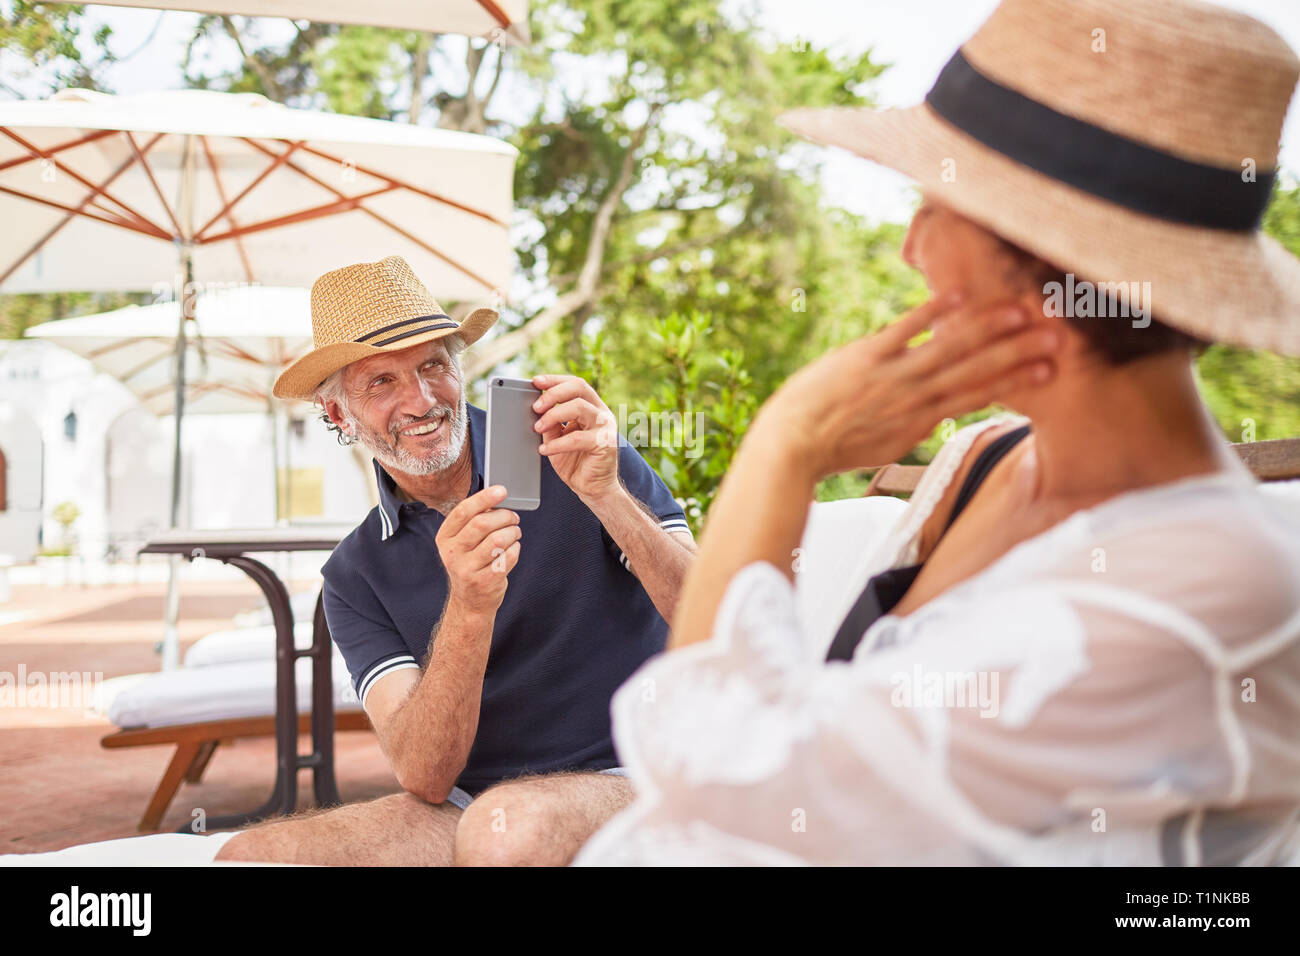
(512, 458)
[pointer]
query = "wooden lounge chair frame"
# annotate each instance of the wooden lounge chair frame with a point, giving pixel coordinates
(195, 745)
(1275, 460)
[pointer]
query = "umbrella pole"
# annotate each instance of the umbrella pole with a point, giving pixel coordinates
(171, 635)
(171, 645)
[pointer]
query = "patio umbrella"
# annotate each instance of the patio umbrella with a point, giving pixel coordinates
(241, 339)
(247, 336)
(146, 192)
(506, 19)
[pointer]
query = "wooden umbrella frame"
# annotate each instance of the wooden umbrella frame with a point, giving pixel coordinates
(124, 216)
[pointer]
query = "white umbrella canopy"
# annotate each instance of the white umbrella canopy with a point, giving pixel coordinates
(240, 340)
(490, 18)
(150, 192)
(98, 191)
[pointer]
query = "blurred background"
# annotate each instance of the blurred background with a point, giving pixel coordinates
(664, 238)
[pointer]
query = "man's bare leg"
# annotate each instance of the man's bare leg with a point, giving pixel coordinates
(398, 830)
(538, 821)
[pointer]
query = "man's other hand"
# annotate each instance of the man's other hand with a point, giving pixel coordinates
(579, 435)
(479, 547)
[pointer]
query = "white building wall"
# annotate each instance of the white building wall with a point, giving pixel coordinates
(118, 468)
(20, 522)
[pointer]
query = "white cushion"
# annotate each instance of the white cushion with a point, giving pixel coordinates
(838, 537)
(1282, 489)
(243, 644)
(302, 605)
(1283, 494)
(159, 849)
(194, 695)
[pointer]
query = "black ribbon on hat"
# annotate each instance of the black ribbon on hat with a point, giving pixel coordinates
(429, 326)
(1105, 164)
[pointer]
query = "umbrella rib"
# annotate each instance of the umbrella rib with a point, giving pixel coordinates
(97, 190)
(71, 144)
(280, 158)
(230, 350)
(221, 194)
(245, 390)
(495, 12)
(73, 213)
(113, 347)
(415, 189)
(79, 211)
(343, 204)
(391, 225)
(142, 366)
(428, 248)
(200, 388)
(148, 170)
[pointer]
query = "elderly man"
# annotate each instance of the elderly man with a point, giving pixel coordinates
(484, 644)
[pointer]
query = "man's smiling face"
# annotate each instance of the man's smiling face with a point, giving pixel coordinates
(407, 408)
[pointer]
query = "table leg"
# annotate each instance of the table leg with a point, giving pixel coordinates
(285, 794)
(321, 761)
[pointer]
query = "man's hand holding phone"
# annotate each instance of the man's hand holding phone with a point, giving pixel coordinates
(579, 435)
(479, 546)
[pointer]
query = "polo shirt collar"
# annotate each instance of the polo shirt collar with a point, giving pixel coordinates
(390, 502)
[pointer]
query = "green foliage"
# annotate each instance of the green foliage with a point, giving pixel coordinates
(689, 426)
(359, 68)
(723, 223)
(19, 312)
(283, 74)
(65, 514)
(45, 37)
(718, 207)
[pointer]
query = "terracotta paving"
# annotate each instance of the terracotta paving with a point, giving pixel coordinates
(59, 787)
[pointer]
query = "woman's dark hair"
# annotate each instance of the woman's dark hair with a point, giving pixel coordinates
(1118, 341)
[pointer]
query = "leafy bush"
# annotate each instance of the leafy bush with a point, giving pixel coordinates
(690, 425)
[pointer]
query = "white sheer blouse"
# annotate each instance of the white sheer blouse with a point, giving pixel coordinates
(1123, 688)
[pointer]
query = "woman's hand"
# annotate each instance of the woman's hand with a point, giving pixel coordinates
(869, 402)
(863, 404)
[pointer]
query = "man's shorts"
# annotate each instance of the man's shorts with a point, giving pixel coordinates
(460, 798)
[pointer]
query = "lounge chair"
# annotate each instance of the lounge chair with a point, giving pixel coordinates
(225, 691)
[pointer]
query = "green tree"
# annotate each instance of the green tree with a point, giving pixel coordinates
(671, 187)
(653, 181)
(53, 46)
(689, 426)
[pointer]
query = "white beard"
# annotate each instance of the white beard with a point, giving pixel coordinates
(396, 458)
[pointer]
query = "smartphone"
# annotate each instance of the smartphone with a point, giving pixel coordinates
(512, 458)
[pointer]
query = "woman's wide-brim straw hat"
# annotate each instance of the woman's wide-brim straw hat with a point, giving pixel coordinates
(1121, 140)
(368, 309)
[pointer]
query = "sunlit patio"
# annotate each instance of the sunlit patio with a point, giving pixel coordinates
(59, 787)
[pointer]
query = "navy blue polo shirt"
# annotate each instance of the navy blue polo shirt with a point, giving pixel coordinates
(573, 625)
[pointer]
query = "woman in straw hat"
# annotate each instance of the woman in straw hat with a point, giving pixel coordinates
(1080, 642)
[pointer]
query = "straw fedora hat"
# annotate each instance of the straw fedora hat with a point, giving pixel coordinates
(1123, 140)
(368, 309)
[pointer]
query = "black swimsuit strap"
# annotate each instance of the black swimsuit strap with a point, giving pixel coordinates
(990, 456)
(885, 590)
